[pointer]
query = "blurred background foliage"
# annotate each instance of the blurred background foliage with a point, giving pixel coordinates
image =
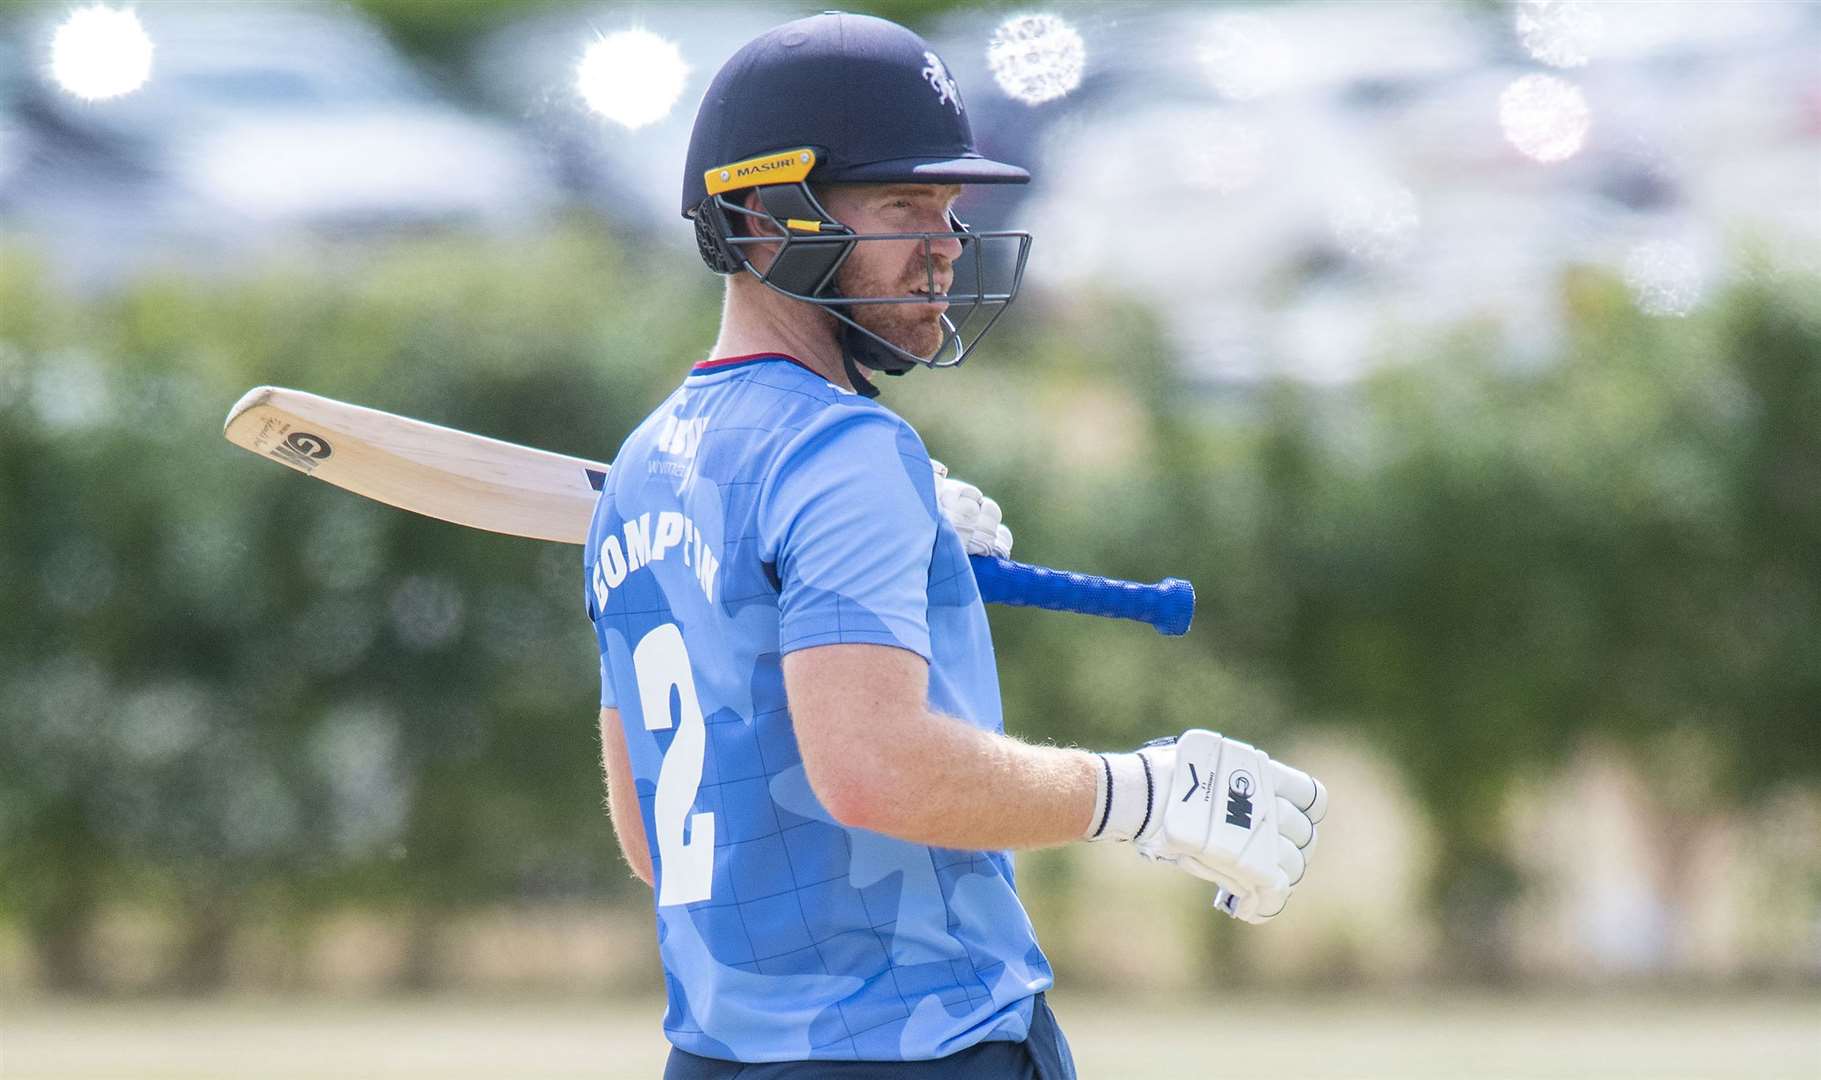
(234, 694)
(1495, 471)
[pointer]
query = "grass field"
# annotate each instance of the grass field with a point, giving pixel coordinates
(1327, 1038)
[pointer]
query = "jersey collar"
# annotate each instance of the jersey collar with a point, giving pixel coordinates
(729, 363)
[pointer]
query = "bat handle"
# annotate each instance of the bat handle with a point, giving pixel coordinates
(1168, 605)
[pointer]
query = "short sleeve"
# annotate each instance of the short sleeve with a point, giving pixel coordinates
(847, 519)
(608, 700)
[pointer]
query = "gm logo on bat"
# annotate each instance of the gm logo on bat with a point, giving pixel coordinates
(302, 450)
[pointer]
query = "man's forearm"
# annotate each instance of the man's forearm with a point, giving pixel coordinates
(879, 759)
(622, 801)
(952, 785)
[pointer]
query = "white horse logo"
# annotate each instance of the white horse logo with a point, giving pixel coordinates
(947, 93)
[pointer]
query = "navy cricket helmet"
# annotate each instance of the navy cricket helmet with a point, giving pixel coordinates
(843, 99)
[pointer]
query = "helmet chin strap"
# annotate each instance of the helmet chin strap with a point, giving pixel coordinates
(859, 382)
(858, 349)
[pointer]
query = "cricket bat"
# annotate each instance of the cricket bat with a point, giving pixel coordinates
(484, 483)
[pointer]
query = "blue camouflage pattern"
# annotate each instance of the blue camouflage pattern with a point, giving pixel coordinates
(760, 510)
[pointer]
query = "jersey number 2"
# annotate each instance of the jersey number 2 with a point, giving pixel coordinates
(661, 663)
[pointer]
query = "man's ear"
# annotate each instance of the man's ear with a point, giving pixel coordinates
(747, 226)
(760, 255)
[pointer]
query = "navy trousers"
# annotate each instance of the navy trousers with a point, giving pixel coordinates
(1044, 1055)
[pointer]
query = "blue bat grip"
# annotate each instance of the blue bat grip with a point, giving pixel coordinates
(1169, 605)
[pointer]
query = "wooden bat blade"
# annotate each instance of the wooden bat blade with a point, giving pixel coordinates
(503, 487)
(437, 471)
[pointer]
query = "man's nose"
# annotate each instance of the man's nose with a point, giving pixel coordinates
(946, 246)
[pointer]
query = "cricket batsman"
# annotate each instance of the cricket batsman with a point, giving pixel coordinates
(800, 716)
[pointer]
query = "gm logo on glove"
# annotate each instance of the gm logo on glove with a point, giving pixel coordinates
(1239, 799)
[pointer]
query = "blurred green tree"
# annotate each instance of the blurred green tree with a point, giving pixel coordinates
(1488, 568)
(231, 693)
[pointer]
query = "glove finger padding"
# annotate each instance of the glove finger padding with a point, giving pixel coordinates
(980, 539)
(1305, 792)
(990, 515)
(1290, 860)
(961, 503)
(1293, 823)
(976, 518)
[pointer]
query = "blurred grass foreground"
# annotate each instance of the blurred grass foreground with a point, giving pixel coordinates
(1418, 1037)
(1550, 630)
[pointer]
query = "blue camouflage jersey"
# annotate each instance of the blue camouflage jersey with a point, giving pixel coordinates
(761, 510)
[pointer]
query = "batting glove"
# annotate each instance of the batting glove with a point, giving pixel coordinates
(975, 516)
(1217, 808)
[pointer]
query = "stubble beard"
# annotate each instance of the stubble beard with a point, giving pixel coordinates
(914, 328)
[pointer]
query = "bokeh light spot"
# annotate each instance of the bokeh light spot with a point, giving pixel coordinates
(344, 548)
(426, 612)
(356, 752)
(159, 723)
(632, 77)
(1243, 56)
(1560, 33)
(1376, 223)
(1036, 58)
(72, 393)
(101, 52)
(1665, 278)
(1545, 118)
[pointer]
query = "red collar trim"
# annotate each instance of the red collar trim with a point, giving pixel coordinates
(726, 362)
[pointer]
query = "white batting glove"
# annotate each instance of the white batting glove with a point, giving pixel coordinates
(975, 516)
(1217, 808)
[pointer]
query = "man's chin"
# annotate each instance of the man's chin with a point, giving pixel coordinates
(921, 341)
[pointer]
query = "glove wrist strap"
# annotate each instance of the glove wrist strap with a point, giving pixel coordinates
(1125, 798)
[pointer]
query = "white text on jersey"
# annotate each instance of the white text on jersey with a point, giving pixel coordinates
(678, 440)
(644, 545)
(681, 437)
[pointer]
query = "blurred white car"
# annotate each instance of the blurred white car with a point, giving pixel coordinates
(259, 121)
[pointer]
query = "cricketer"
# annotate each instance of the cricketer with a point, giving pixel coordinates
(800, 716)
